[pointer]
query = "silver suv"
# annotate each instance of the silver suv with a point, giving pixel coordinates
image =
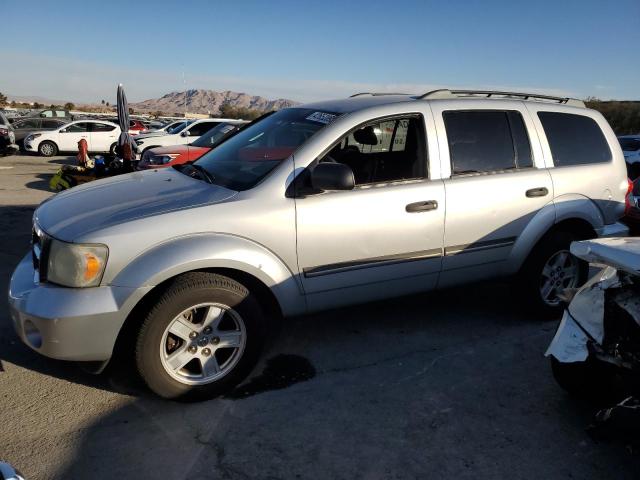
(310, 208)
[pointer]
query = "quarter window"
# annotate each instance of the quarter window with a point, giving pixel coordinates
(574, 139)
(383, 151)
(487, 141)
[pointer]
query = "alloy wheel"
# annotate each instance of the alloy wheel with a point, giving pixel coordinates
(561, 271)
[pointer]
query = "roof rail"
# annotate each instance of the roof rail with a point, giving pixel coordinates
(445, 93)
(376, 94)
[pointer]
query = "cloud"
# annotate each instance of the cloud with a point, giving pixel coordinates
(81, 81)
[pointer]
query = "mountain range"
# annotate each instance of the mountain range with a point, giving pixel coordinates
(208, 101)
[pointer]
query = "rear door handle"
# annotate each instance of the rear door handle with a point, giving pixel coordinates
(422, 206)
(537, 192)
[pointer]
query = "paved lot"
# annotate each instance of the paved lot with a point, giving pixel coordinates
(447, 385)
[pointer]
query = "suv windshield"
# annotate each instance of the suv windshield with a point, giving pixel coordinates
(215, 134)
(178, 128)
(630, 144)
(246, 158)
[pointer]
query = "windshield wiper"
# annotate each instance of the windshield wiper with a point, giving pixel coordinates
(204, 173)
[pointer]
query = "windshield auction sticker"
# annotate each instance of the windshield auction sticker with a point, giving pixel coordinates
(321, 117)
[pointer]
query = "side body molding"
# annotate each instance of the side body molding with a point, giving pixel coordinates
(216, 250)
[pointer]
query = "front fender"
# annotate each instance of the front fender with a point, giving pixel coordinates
(204, 251)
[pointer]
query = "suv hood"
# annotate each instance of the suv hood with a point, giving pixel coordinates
(121, 199)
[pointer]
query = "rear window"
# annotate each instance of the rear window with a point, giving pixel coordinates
(487, 141)
(574, 139)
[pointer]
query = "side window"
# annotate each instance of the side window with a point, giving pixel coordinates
(46, 113)
(61, 113)
(487, 141)
(384, 151)
(201, 128)
(102, 127)
(52, 123)
(33, 123)
(574, 139)
(78, 127)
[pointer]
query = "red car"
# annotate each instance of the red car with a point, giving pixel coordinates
(136, 126)
(161, 157)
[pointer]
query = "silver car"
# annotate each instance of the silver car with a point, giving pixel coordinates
(315, 207)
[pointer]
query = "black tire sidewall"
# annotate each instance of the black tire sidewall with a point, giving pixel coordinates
(175, 300)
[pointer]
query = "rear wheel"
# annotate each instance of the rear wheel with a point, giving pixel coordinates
(47, 149)
(549, 270)
(201, 338)
(112, 149)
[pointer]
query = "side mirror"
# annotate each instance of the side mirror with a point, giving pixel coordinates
(64, 130)
(332, 176)
(185, 133)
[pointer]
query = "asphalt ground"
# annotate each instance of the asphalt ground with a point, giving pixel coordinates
(451, 384)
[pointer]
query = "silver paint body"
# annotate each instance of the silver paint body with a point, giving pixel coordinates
(320, 251)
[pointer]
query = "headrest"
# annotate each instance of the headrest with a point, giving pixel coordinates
(366, 136)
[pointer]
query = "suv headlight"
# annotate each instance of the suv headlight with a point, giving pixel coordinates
(76, 265)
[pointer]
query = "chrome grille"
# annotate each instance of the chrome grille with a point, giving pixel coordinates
(38, 252)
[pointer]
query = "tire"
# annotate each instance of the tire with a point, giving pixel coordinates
(47, 149)
(533, 274)
(112, 149)
(588, 380)
(164, 343)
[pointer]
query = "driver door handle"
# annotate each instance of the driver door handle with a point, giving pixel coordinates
(537, 192)
(422, 206)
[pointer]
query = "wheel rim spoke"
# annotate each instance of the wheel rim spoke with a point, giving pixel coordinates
(229, 340)
(213, 316)
(181, 327)
(546, 290)
(179, 358)
(209, 365)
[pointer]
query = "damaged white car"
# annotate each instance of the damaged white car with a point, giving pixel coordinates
(598, 339)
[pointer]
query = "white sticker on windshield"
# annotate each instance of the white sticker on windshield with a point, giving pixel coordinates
(321, 117)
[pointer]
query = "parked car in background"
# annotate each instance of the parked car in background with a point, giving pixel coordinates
(164, 128)
(176, 154)
(49, 113)
(24, 127)
(7, 137)
(101, 137)
(178, 136)
(136, 127)
(304, 211)
(631, 149)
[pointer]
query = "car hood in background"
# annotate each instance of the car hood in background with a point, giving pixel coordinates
(107, 202)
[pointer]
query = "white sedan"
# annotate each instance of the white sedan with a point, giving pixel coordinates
(101, 136)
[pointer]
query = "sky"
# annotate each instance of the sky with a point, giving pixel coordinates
(305, 51)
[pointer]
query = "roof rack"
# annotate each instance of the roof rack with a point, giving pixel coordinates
(376, 94)
(446, 93)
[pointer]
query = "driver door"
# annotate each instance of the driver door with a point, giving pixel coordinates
(384, 237)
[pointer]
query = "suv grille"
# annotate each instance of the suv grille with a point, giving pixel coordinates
(39, 250)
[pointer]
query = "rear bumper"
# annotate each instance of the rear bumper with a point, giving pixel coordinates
(617, 229)
(79, 324)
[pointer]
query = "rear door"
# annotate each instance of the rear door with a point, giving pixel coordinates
(497, 183)
(69, 136)
(198, 129)
(103, 136)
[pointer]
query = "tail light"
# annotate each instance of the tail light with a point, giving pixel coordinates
(628, 205)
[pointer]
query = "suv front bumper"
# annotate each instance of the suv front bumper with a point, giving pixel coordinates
(79, 324)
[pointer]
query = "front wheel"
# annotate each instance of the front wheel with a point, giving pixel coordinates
(47, 149)
(201, 338)
(549, 270)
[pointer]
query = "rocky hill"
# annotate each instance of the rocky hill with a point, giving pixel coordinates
(208, 101)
